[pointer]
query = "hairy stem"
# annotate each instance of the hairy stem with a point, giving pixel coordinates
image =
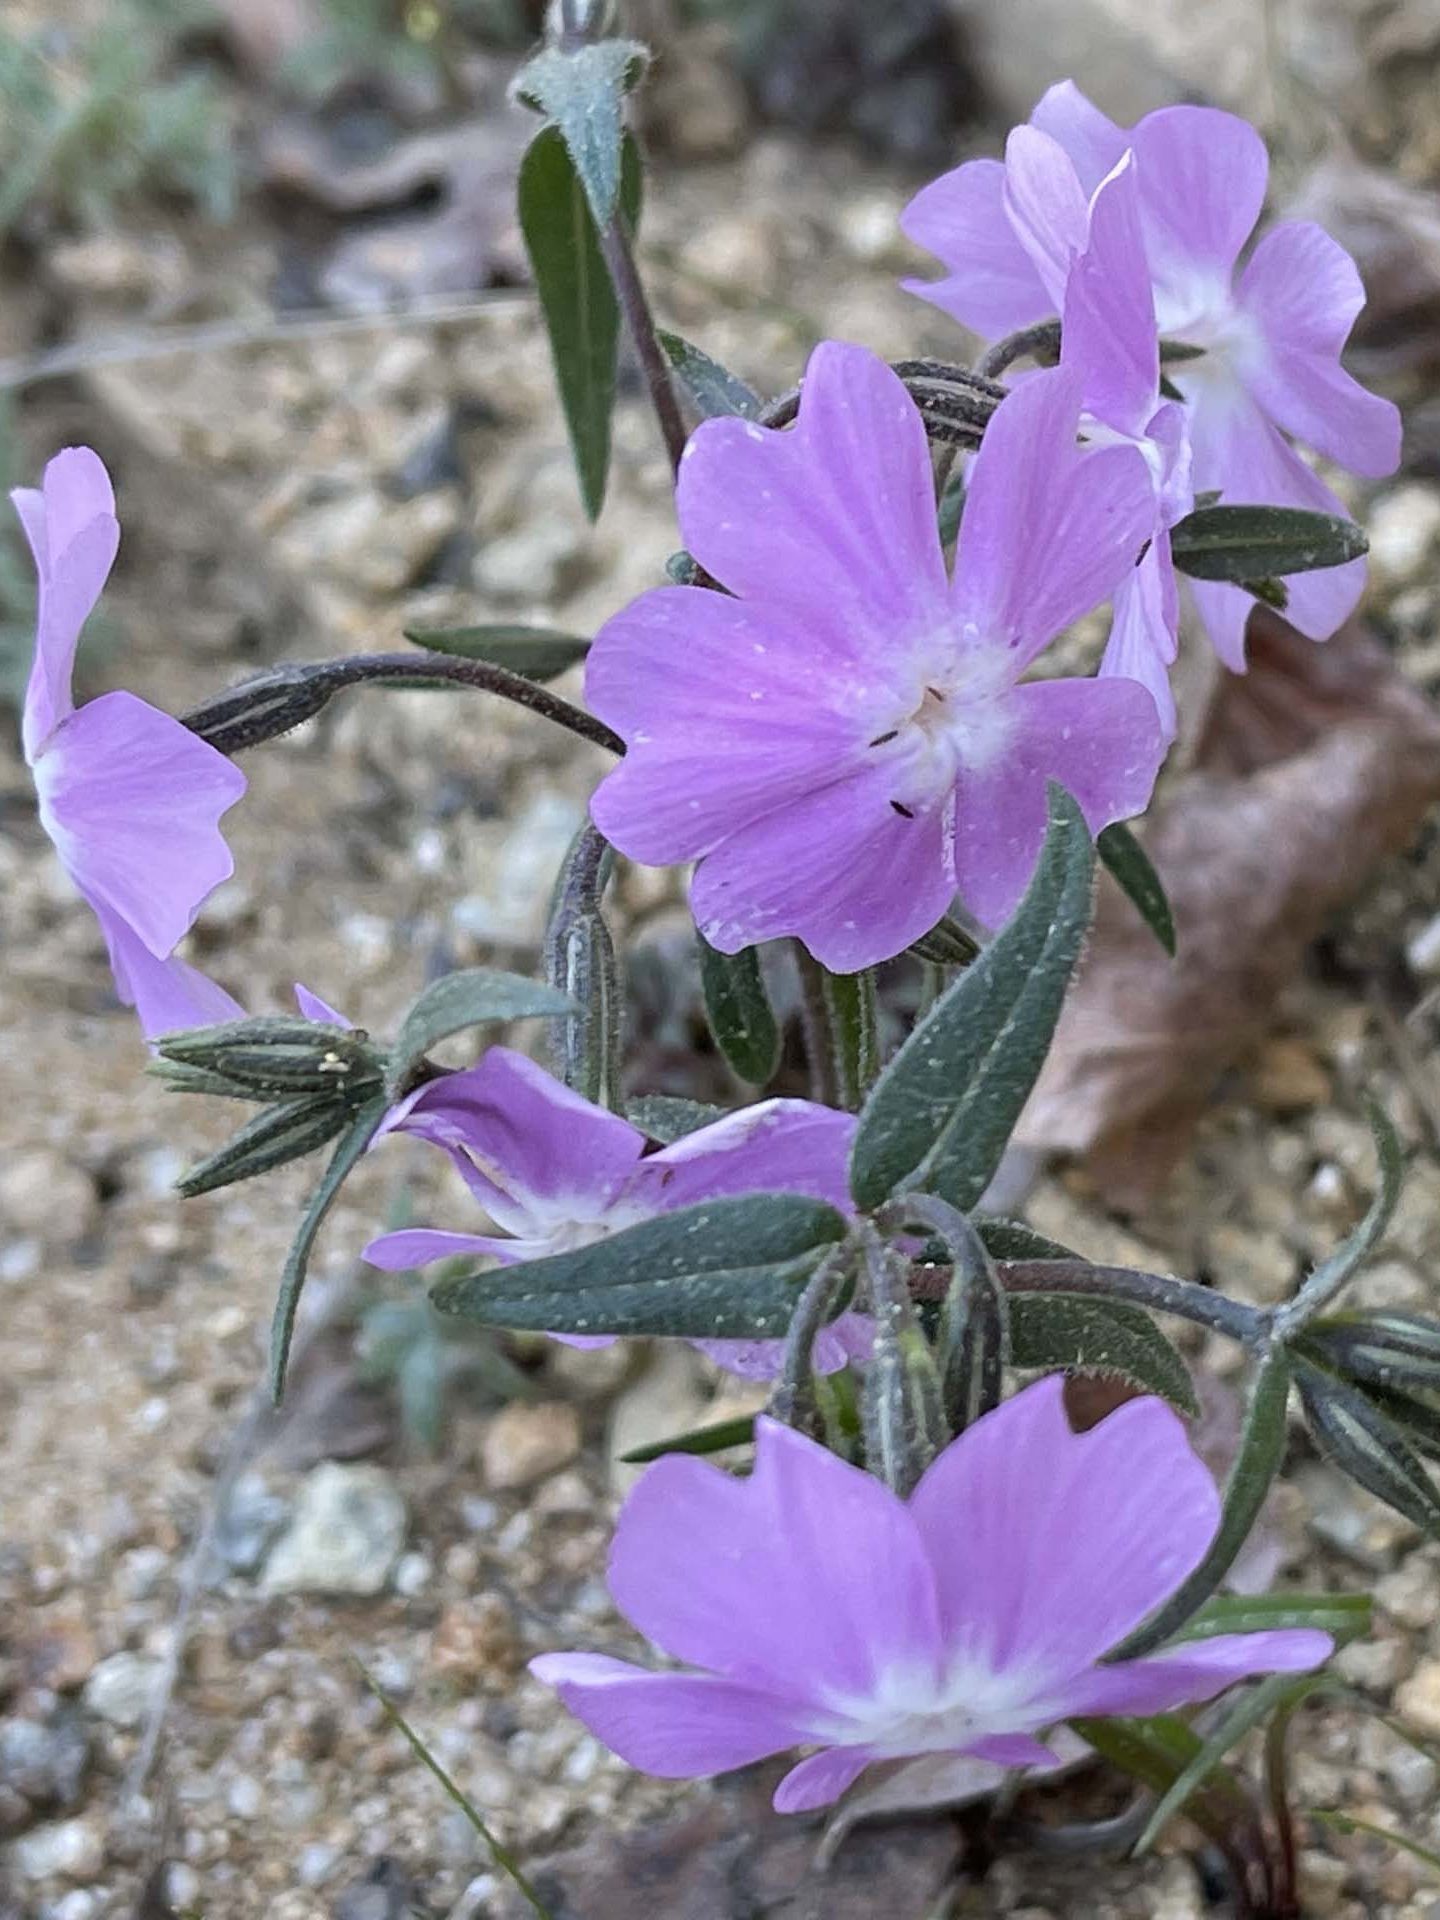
(277, 702)
(640, 324)
(794, 1401)
(1040, 342)
(1160, 1292)
(815, 1025)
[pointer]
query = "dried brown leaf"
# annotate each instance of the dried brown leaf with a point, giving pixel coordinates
(1314, 767)
(431, 215)
(725, 1856)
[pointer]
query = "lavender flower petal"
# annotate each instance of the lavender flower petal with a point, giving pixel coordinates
(1238, 450)
(1089, 137)
(843, 868)
(808, 1578)
(993, 287)
(1302, 292)
(132, 800)
(74, 535)
(1102, 739)
(1202, 180)
(166, 994)
(811, 522)
(1084, 517)
(1196, 1671)
(522, 1140)
(675, 1725)
(1048, 1545)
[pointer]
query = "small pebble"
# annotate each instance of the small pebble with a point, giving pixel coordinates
(122, 1689)
(64, 1850)
(346, 1535)
(1417, 1700)
(524, 1443)
(245, 1798)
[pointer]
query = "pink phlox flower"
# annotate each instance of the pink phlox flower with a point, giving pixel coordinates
(823, 1611)
(1271, 330)
(843, 741)
(555, 1173)
(130, 798)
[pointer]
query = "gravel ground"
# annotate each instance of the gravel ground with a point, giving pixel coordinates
(298, 499)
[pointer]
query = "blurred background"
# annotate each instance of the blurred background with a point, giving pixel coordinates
(262, 255)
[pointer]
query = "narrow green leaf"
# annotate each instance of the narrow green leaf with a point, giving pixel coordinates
(726, 1269)
(1156, 1752)
(1400, 1387)
(501, 1855)
(942, 1111)
(1417, 1415)
(1350, 1431)
(725, 1433)
(539, 653)
(270, 1139)
(1332, 1275)
(1242, 544)
(1262, 1447)
(176, 1078)
(582, 90)
(351, 1144)
(855, 1030)
(1245, 1713)
(1345, 1616)
(1084, 1334)
(1405, 1336)
(581, 961)
(1152, 1751)
(473, 997)
(666, 1118)
(1130, 865)
(198, 1046)
(576, 298)
(738, 1011)
(712, 390)
(1352, 1823)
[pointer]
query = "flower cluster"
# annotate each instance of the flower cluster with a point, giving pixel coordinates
(850, 734)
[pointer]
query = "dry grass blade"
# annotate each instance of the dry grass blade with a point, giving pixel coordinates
(501, 1855)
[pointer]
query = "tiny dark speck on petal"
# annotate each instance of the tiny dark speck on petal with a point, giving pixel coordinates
(881, 738)
(905, 811)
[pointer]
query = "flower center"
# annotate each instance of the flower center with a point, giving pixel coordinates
(557, 1224)
(909, 1712)
(956, 718)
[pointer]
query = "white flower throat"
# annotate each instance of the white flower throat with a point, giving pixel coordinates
(956, 718)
